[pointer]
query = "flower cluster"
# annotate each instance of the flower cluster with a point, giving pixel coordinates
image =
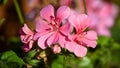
(102, 14)
(63, 29)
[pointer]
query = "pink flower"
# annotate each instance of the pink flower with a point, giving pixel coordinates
(80, 40)
(49, 28)
(56, 49)
(102, 15)
(104, 18)
(26, 37)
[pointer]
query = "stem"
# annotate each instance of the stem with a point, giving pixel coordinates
(18, 11)
(64, 62)
(85, 9)
(64, 59)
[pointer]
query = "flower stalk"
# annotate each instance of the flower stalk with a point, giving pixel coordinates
(18, 11)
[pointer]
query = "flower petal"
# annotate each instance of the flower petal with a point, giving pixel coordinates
(63, 12)
(26, 30)
(46, 12)
(26, 47)
(41, 25)
(62, 40)
(39, 34)
(89, 43)
(70, 46)
(53, 38)
(103, 31)
(66, 28)
(31, 44)
(22, 38)
(42, 40)
(92, 35)
(80, 51)
(80, 22)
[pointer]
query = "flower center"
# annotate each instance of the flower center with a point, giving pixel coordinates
(79, 38)
(55, 23)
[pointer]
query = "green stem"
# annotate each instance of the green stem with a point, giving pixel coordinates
(64, 58)
(85, 9)
(18, 11)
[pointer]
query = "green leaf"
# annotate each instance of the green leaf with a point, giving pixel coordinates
(58, 63)
(33, 62)
(31, 54)
(103, 40)
(85, 61)
(2, 65)
(10, 56)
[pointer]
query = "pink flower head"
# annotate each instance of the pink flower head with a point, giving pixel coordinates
(26, 37)
(49, 28)
(102, 15)
(81, 39)
(56, 49)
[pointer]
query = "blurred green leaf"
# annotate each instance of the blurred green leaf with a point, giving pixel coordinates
(31, 54)
(10, 56)
(71, 62)
(58, 63)
(103, 40)
(85, 63)
(33, 62)
(2, 65)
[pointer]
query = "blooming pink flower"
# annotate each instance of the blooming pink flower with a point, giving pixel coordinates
(80, 40)
(49, 28)
(26, 37)
(56, 49)
(102, 15)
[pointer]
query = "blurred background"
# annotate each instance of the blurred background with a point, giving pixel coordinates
(13, 13)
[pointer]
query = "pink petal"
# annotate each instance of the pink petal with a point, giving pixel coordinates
(53, 38)
(83, 21)
(26, 30)
(42, 40)
(107, 22)
(63, 12)
(22, 38)
(80, 22)
(66, 28)
(88, 39)
(28, 46)
(31, 44)
(62, 40)
(41, 25)
(25, 47)
(89, 42)
(108, 10)
(80, 51)
(103, 31)
(46, 12)
(70, 46)
(92, 35)
(39, 34)
(73, 20)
